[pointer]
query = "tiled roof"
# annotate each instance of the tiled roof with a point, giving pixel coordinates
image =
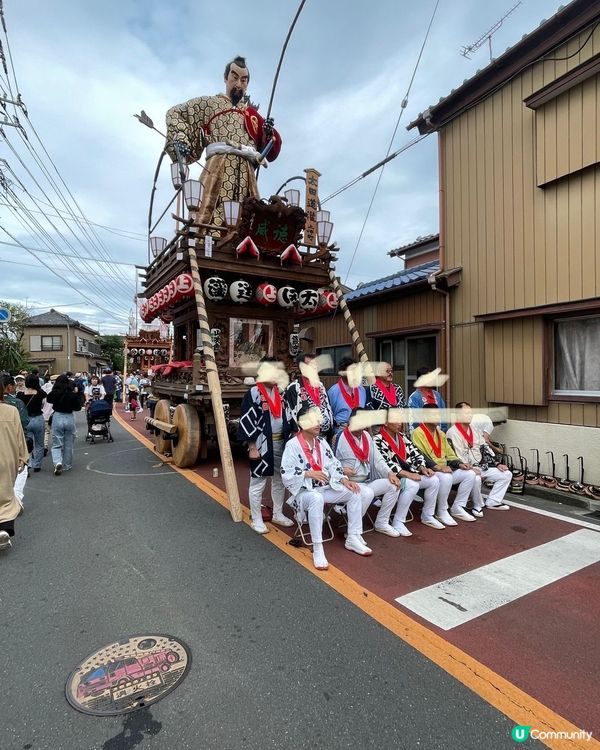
(55, 318)
(396, 280)
(425, 240)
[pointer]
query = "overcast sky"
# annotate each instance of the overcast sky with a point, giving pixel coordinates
(83, 68)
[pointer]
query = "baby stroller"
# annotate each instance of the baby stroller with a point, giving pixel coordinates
(98, 421)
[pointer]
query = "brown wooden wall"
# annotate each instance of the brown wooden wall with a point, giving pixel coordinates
(520, 245)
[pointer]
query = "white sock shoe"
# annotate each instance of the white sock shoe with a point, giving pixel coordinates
(401, 529)
(281, 520)
(355, 544)
(446, 519)
(387, 529)
(319, 559)
(433, 522)
(259, 527)
(5, 542)
(462, 514)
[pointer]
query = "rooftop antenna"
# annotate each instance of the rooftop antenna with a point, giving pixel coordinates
(487, 37)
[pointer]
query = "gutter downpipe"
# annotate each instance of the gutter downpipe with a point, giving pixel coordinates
(442, 250)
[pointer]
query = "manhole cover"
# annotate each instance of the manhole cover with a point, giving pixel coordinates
(128, 674)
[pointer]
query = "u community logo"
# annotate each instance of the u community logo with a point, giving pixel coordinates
(522, 733)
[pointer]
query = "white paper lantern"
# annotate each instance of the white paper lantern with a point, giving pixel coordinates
(308, 300)
(287, 296)
(215, 288)
(240, 291)
(266, 293)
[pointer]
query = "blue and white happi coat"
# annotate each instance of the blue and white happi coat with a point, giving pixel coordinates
(296, 396)
(256, 426)
(294, 463)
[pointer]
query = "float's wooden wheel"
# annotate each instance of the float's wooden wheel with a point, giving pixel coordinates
(161, 411)
(187, 443)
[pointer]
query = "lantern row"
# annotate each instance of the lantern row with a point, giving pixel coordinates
(216, 289)
(149, 352)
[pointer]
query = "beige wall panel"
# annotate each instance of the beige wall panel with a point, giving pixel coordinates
(575, 272)
(590, 146)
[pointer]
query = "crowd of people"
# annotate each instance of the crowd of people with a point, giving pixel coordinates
(37, 419)
(354, 446)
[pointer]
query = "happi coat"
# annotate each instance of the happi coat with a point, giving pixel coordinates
(296, 396)
(414, 458)
(378, 400)
(294, 463)
(374, 468)
(255, 426)
(13, 452)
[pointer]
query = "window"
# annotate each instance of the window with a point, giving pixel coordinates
(577, 356)
(52, 343)
(406, 355)
(337, 354)
(249, 340)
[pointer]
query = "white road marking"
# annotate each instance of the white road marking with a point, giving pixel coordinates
(463, 598)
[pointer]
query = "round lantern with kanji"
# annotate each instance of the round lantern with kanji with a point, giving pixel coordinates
(308, 300)
(215, 288)
(266, 293)
(240, 291)
(287, 296)
(328, 300)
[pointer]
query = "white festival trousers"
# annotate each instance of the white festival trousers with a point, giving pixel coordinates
(501, 480)
(19, 486)
(431, 485)
(389, 497)
(312, 502)
(465, 478)
(258, 484)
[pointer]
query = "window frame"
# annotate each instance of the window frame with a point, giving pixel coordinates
(51, 348)
(563, 395)
(334, 371)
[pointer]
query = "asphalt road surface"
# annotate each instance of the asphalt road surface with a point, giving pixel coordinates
(123, 545)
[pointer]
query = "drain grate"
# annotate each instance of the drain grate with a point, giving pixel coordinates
(593, 514)
(128, 674)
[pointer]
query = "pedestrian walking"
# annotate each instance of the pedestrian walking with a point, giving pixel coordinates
(109, 384)
(65, 401)
(133, 400)
(13, 460)
(33, 397)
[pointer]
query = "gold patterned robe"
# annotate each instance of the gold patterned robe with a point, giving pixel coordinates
(213, 119)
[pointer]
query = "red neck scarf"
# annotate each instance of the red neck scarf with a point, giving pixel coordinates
(274, 403)
(466, 433)
(389, 391)
(396, 444)
(428, 395)
(436, 447)
(314, 393)
(360, 451)
(318, 466)
(351, 397)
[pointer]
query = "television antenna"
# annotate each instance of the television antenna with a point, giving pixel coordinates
(487, 37)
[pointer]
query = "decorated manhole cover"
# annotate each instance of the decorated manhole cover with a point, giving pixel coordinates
(128, 674)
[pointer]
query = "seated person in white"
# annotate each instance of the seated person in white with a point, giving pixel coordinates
(433, 444)
(470, 446)
(314, 476)
(363, 463)
(417, 472)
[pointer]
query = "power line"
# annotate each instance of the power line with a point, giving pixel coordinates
(66, 255)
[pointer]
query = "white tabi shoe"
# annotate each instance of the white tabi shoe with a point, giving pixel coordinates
(401, 529)
(5, 542)
(462, 514)
(319, 559)
(281, 520)
(355, 544)
(388, 530)
(446, 519)
(477, 512)
(500, 506)
(433, 523)
(259, 527)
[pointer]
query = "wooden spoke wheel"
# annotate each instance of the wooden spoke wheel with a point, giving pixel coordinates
(186, 445)
(161, 411)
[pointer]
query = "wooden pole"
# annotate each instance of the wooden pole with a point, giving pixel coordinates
(214, 385)
(124, 376)
(356, 340)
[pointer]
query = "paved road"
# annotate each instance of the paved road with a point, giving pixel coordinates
(123, 545)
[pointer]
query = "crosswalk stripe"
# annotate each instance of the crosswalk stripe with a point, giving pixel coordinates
(458, 600)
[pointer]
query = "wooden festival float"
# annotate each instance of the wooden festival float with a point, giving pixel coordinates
(233, 293)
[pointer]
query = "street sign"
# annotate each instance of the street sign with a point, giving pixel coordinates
(5, 315)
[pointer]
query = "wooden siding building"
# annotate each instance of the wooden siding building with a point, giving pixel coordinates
(519, 159)
(400, 318)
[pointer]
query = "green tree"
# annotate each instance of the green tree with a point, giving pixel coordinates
(112, 348)
(12, 351)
